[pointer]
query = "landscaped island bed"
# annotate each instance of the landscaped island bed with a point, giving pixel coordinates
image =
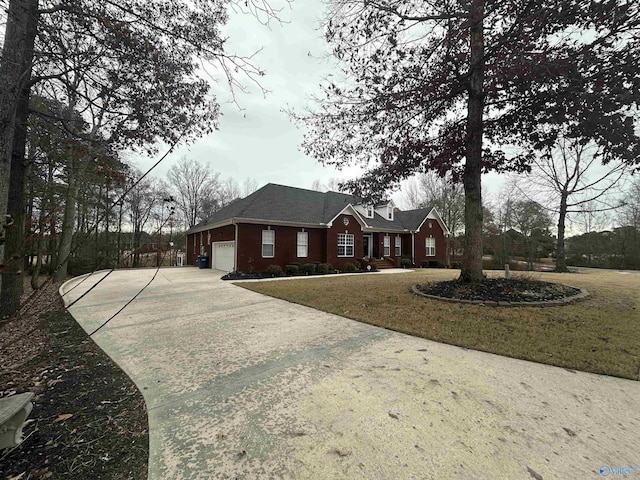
(500, 290)
(600, 334)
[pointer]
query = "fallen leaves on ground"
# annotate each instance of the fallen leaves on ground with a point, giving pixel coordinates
(63, 417)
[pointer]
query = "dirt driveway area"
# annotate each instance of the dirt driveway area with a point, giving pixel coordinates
(240, 385)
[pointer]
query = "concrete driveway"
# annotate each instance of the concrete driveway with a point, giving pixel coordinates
(239, 385)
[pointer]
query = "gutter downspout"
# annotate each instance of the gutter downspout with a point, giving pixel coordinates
(235, 248)
(413, 248)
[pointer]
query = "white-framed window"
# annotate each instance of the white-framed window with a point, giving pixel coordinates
(194, 244)
(398, 250)
(268, 243)
(387, 245)
(389, 212)
(345, 244)
(303, 244)
(208, 238)
(430, 244)
(370, 211)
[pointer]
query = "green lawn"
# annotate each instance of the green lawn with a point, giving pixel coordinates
(600, 334)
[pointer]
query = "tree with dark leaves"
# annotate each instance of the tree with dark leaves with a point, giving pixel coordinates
(138, 71)
(448, 86)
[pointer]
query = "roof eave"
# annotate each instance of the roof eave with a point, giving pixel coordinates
(209, 226)
(439, 219)
(263, 221)
(255, 221)
(388, 230)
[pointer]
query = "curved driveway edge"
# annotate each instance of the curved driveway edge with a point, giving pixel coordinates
(240, 385)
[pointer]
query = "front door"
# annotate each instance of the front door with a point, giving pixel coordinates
(367, 246)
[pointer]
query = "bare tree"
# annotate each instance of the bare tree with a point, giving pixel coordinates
(430, 190)
(143, 201)
(446, 196)
(228, 191)
(592, 218)
(317, 186)
(412, 195)
(573, 177)
(249, 186)
(499, 220)
(630, 214)
(532, 221)
(222, 194)
(334, 184)
(192, 182)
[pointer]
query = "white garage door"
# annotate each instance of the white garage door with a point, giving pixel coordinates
(223, 255)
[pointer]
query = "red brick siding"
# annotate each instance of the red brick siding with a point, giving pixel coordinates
(221, 234)
(286, 247)
(323, 244)
(405, 247)
(338, 226)
(192, 253)
(420, 242)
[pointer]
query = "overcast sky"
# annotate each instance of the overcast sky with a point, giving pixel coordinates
(260, 141)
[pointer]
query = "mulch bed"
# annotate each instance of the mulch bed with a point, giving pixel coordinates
(89, 420)
(500, 290)
(259, 276)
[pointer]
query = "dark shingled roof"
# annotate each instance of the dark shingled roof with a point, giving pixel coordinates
(411, 219)
(280, 203)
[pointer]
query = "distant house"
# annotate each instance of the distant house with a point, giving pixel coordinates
(279, 225)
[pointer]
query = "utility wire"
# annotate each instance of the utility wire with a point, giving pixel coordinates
(134, 297)
(42, 290)
(109, 273)
(36, 294)
(158, 231)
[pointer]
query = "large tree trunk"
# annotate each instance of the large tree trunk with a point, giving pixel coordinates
(561, 260)
(472, 259)
(119, 252)
(96, 221)
(40, 242)
(52, 246)
(447, 246)
(17, 55)
(46, 204)
(11, 287)
(68, 221)
(28, 223)
(137, 235)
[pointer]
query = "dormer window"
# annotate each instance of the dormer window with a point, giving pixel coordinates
(389, 212)
(370, 211)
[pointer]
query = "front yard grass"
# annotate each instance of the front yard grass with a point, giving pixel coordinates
(600, 334)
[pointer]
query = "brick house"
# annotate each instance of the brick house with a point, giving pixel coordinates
(279, 225)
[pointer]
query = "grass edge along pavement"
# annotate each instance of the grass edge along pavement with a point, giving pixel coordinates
(89, 419)
(599, 334)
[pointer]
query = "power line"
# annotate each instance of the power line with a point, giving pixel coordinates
(134, 297)
(109, 273)
(34, 295)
